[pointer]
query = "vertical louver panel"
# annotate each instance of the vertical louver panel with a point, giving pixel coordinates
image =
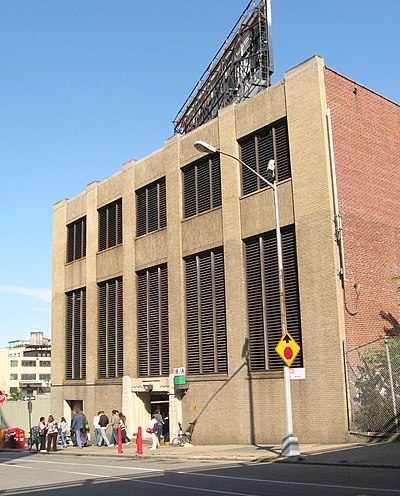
(216, 181)
(248, 156)
(141, 213)
(153, 333)
(193, 320)
(152, 198)
(76, 240)
(110, 225)
(76, 334)
(263, 300)
(202, 186)
(143, 349)
(111, 328)
(162, 195)
(151, 207)
(205, 313)
(292, 288)
(282, 151)
(255, 307)
(257, 149)
(189, 191)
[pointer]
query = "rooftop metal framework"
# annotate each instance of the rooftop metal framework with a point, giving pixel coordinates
(241, 68)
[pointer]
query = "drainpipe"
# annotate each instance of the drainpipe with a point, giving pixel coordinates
(338, 220)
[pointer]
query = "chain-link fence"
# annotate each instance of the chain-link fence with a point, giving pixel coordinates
(373, 385)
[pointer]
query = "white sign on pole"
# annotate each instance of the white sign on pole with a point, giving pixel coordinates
(297, 373)
(180, 371)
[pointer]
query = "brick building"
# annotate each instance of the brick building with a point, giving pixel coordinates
(172, 262)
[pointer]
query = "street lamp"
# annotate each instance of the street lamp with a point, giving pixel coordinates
(290, 444)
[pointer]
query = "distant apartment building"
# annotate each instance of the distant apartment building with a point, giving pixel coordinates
(26, 365)
(172, 263)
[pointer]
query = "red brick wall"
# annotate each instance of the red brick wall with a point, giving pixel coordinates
(366, 139)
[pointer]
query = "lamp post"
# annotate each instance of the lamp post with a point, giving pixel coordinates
(290, 444)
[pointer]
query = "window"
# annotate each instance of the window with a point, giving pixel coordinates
(13, 377)
(13, 363)
(28, 377)
(153, 321)
(111, 328)
(201, 186)
(44, 377)
(263, 298)
(76, 240)
(151, 207)
(28, 363)
(205, 313)
(75, 335)
(257, 149)
(45, 363)
(110, 225)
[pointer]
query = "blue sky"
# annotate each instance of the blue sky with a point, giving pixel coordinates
(87, 85)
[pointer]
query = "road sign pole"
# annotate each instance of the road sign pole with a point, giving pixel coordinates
(290, 444)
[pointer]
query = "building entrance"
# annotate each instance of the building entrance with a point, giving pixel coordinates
(160, 401)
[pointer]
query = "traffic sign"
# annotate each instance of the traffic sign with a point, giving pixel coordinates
(287, 349)
(3, 397)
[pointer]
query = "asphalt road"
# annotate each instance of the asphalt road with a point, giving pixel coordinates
(46, 474)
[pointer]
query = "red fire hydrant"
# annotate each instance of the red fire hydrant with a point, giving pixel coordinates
(139, 441)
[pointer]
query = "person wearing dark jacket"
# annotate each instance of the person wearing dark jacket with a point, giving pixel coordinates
(78, 423)
(103, 423)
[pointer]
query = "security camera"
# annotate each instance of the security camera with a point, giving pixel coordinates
(271, 165)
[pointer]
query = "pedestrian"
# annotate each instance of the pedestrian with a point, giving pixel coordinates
(97, 429)
(52, 434)
(152, 429)
(85, 432)
(62, 430)
(77, 426)
(103, 423)
(42, 434)
(114, 425)
(160, 423)
(122, 424)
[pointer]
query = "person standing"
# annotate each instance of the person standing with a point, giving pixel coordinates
(103, 423)
(114, 425)
(97, 429)
(42, 434)
(62, 429)
(160, 423)
(152, 428)
(78, 423)
(122, 424)
(52, 434)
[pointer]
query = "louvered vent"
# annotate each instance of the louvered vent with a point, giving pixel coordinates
(110, 345)
(110, 225)
(258, 148)
(205, 313)
(76, 240)
(153, 333)
(76, 334)
(201, 186)
(151, 207)
(263, 301)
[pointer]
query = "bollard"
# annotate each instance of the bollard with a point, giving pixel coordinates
(139, 441)
(119, 440)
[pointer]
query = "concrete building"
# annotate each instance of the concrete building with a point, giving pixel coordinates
(25, 364)
(172, 262)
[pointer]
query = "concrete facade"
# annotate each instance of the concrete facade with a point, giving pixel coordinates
(253, 402)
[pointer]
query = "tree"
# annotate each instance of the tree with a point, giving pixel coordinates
(17, 396)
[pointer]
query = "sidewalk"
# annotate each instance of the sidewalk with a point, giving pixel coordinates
(384, 454)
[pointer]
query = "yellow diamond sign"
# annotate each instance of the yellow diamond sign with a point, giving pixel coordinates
(287, 349)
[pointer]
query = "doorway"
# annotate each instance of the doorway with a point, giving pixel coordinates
(160, 401)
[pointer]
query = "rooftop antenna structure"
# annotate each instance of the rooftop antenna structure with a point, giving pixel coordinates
(241, 68)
